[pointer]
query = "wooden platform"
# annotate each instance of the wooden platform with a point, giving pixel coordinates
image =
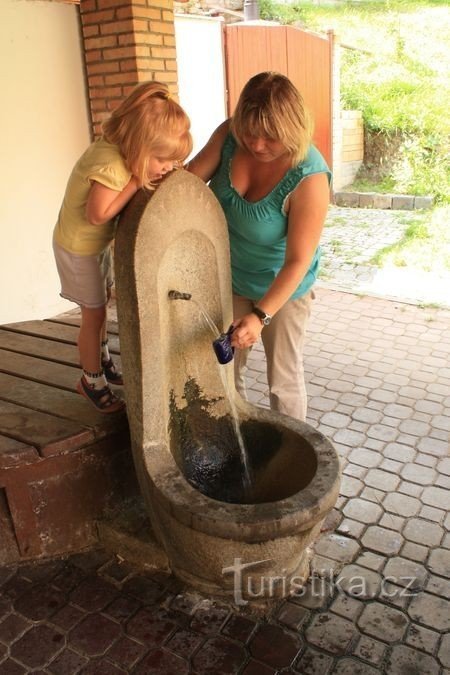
(62, 464)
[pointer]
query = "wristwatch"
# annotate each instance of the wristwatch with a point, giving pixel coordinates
(264, 318)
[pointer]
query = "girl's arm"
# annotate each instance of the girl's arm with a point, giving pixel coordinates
(205, 163)
(307, 212)
(104, 203)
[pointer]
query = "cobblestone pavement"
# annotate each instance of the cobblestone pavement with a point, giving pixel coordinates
(378, 600)
(350, 240)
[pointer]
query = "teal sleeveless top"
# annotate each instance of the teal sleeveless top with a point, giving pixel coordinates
(258, 230)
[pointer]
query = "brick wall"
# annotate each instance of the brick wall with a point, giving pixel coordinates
(126, 42)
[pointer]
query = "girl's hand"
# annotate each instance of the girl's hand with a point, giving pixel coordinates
(246, 332)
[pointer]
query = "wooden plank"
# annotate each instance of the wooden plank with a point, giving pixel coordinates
(39, 370)
(50, 435)
(52, 401)
(15, 453)
(39, 347)
(55, 331)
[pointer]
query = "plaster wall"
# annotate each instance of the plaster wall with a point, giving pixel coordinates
(201, 74)
(45, 127)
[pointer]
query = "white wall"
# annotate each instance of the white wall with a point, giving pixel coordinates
(45, 127)
(201, 75)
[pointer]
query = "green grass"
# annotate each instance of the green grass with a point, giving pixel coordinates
(397, 75)
(425, 244)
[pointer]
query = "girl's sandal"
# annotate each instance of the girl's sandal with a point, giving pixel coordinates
(113, 376)
(103, 400)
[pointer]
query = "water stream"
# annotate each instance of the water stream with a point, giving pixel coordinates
(229, 395)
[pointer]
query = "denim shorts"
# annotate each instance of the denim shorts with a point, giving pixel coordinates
(85, 279)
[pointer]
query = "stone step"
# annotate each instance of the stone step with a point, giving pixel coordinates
(128, 534)
(375, 200)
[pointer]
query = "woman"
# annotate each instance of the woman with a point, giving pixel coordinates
(273, 186)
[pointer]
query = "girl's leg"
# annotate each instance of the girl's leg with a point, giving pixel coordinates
(241, 306)
(90, 337)
(283, 343)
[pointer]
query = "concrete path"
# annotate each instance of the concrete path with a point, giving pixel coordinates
(350, 240)
(378, 600)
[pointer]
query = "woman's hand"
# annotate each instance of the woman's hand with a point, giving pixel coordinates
(246, 331)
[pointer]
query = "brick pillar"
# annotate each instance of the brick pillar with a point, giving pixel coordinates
(126, 42)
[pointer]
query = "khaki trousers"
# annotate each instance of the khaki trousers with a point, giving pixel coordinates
(283, 340)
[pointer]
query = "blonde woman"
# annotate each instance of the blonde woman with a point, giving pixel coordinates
(145, 137)
(273, 186)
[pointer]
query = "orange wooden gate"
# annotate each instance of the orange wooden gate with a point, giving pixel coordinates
(306, 58)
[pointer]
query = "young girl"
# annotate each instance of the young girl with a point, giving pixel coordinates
(145, 137)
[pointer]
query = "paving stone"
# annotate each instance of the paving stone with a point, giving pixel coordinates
(10, 667)
(382, 540)
(411, 489)
(365, 458)
(399, 452)
(382, 622)
(103, 666)
(162, 662)
(414, 552)
(439, 562)
(274, 646)
(430, 513)
(381, 480)
(351, 528)
(418, 474)
(239, 627)
(331, 633)
(359, 582)
(257, 668)
(438, 586)
(430, 610)
(209, 619)
(392, 522)
(370, 650)
(405, 573)
(350, 487)
(444, 651)
(351, 666)
(94, 635)
(443, 466)
(40, 602)
(336, 547)
(66, 662)
(371, 561)
(402, 505)
(292, 615)
(436, 497)
(126, 652)
(405, 659)
(432, 446)
(12, 627)
(37, 646)
(145, 590)
(423, 532)
(121, 608)
(347, 607)
(422, 638)
(315, 594)
(312, 662)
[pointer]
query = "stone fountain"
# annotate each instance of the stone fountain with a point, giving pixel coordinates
(217, 529)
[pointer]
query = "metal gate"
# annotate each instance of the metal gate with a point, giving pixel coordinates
(306, 58)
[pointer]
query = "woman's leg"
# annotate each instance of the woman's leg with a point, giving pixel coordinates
(241, 306)
(283, 343)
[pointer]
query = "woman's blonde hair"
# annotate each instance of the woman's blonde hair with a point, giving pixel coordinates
(270, 106)
(149, 123)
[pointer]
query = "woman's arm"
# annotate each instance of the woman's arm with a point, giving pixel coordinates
(104, 203)
(205, 162)
(307, 213)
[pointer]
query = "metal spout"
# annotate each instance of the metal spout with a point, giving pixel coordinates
(178, 295)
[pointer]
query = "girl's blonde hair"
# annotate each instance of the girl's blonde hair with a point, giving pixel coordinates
(270, 106)
(149, 123)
